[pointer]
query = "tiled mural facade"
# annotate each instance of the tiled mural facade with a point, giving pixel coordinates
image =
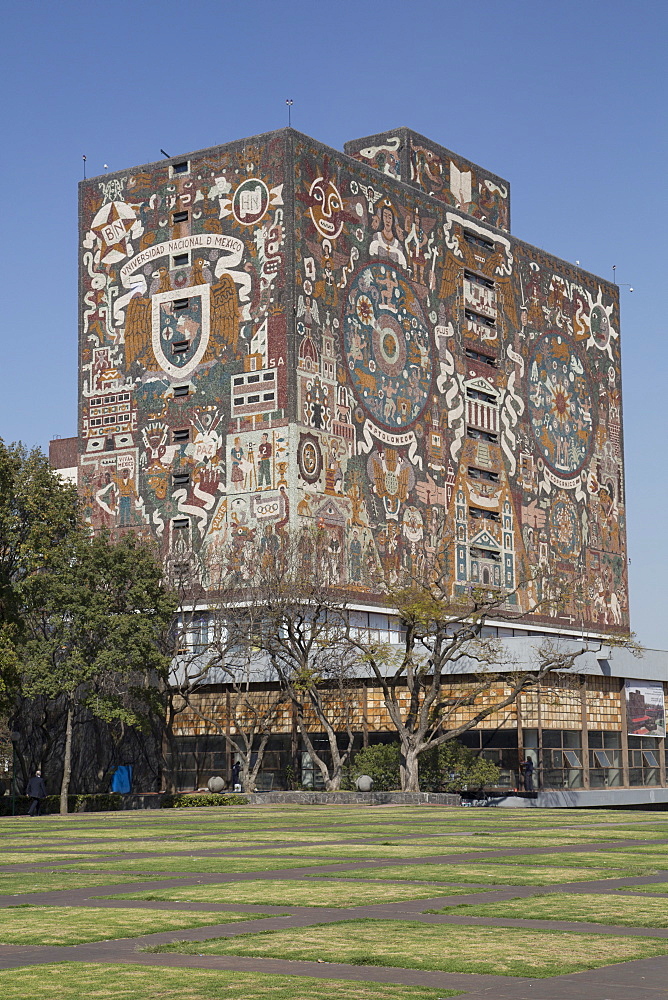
(275, 335)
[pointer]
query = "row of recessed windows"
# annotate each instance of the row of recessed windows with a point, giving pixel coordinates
(478, 435)
(486, 359)
(483, 474)
(267, 397)
(479, 279)
(121, 397)
(114, 418)
(479, 514)
(473, 239)
(482, 397)
(475, 317)
(248, 379)
(485, 554)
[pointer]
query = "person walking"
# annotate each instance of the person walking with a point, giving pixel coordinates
(236, 768)
(36, 791)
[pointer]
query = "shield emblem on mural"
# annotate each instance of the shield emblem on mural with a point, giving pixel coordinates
(180, 329)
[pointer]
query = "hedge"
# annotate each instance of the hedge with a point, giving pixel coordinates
(210, 799)
(96, 802)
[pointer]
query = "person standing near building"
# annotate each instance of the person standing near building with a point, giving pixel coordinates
(36, 791)
(528, 774)
(236, 768)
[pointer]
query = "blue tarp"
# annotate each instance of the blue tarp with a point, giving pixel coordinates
(122, 779)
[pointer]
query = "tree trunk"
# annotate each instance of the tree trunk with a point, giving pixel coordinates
(67, 762)
(410, 776)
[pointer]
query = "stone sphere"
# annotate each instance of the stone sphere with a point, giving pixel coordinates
(216, 784)
(364, 783)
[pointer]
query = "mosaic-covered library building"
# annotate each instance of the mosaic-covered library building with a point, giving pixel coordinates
(276, 335)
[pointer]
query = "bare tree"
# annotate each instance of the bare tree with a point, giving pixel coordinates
(283, 621)
(446, 662)
(215, 648)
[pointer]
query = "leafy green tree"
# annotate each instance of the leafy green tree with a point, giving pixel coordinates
(38, 511)
(95, 618)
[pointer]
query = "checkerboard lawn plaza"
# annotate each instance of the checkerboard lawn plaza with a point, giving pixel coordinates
(130, 982)
(450, 948)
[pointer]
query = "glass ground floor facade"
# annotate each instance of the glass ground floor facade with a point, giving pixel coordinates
(582, 731)
(563, 758)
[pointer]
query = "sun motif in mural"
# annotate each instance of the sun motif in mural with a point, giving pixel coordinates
(387, 344)
(561, 409)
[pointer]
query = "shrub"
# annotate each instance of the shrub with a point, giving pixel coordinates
(210, 799)
(448, 768)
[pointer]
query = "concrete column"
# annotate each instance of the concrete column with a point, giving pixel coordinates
(585, 733)
(625, 741)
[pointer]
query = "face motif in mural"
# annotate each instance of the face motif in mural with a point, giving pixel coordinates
(600, 327)
(560, 405)
(387, 345)
(326, 208)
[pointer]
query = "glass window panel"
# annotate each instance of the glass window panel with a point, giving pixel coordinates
(595, 740)
(602, 758)
(572, 758)
(635, 776)
(650, 758)
(572, 739)
(531, 739)
(499, 737)
(612, 741)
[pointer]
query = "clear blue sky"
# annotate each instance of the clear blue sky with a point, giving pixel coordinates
(567, 100)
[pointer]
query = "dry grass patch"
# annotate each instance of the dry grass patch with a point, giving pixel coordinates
(40, 882)
(449, 948)
(346, 851)
(660, 887)
(273, 892)
(589, 907)
(65, 925)
(478, 872)
(34, 857)
(68, 981)
(620, 862)
(187, 864)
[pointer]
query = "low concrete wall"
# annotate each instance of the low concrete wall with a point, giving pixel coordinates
(143, 800)
(595, 798)
(355, 798)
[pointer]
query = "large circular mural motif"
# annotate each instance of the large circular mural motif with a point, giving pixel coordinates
(387, 346)
(561, 410)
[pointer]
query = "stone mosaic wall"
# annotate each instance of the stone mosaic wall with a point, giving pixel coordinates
(275, 335)
(440, 173)
(447, 373)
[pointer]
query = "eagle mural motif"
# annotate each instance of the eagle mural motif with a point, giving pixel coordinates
(225, 318)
